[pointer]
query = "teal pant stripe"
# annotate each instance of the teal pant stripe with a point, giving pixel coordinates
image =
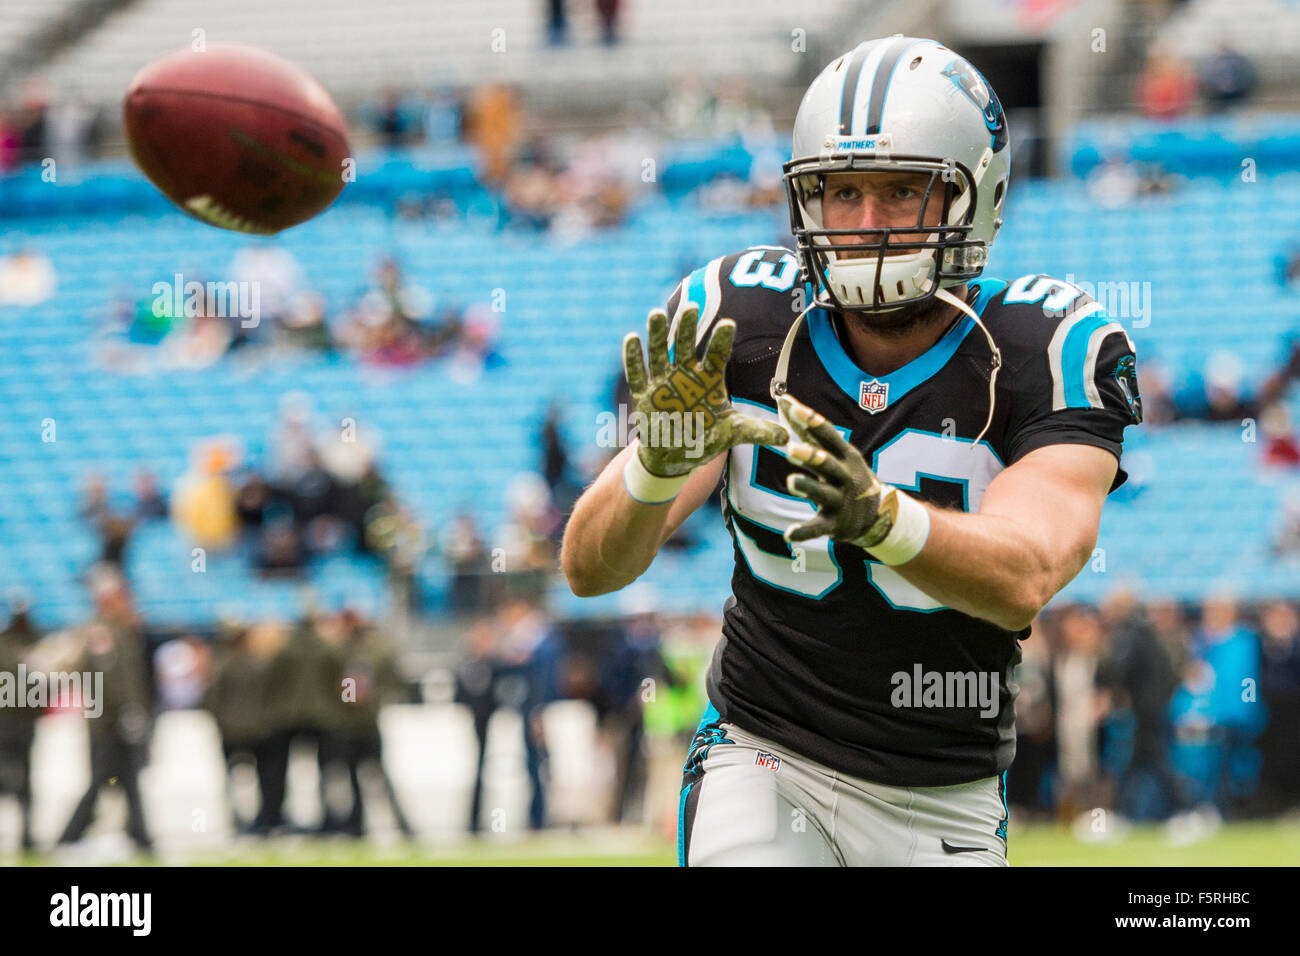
(711, 715)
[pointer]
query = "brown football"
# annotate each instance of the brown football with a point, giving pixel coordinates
(238, 137)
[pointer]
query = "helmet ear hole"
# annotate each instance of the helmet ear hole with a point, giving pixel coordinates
(998, 192)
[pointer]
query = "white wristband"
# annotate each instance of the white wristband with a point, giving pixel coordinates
(908, 535)
(647, 488)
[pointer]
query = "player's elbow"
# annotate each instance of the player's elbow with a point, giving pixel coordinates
(1021, 602)
(584, 575)
(584, 585)
(1016, 615)
(1028, 592)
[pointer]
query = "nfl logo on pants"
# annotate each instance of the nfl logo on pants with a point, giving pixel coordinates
(874, 395)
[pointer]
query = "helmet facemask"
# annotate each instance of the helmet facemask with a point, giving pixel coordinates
(904, 264)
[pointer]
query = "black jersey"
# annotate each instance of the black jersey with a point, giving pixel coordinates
(825, 650)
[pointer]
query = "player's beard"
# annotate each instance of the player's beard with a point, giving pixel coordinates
(902, 321)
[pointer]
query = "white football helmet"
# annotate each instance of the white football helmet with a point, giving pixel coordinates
(899, 104)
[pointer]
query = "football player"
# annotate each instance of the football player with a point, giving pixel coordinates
(915, 461)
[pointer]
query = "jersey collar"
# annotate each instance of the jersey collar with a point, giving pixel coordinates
(902, 380)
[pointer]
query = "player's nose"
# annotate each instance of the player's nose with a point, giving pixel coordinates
(871, 214)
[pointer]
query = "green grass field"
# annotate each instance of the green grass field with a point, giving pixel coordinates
(1243, 844)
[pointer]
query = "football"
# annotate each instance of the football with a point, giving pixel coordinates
(237, 137)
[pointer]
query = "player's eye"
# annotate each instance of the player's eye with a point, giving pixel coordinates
(906, 192)
(847, 194)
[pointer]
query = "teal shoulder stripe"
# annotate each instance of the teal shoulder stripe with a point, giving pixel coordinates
(1073, 359)
(693, 290)
(985, 290)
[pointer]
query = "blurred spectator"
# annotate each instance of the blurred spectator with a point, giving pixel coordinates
(476, 688)
(11, 143)
(114, 529)
(34, 103)
(119, 736)
(442, 116)
(236, 697)
(303, 684)
(150, 502)
(608, 13)
(531, 655)
(275, 273)
(1281, 447)
(557, 468)
(1114, 183)
(673, 712)
(688, 109)
(493, 120)
(1230, 651)
(512, 659)
(557, 22)
(386, 324)
(370, 680)
(1166, 86)
(182, 668)
(737, 112)
(633, 672)
(1035, 726)
(27, 278)
(72, 131)
(1279, 684)
(1287, 539)
(476, 350)
(1171, 628)
(1227, 78)
(291, 443)
(1196, 753)
(1140, 677)
(470, 565)
(528, 538)
(1074, 674)
(303, 326)
(391, 121)
(203, 502)
(1158, 406)
(18, 723)
(532, 195)
(1220, 394)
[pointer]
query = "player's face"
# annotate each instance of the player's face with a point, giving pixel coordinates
(877, 201)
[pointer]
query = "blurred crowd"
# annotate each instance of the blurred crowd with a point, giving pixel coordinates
(317, 686)
(1160, 711)
(392, 321)
(1188, 714)
(268, 686)
(1170, 85)
(36, 128)
(317, 491)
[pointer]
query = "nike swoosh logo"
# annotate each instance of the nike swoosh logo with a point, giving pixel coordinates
(949, 848)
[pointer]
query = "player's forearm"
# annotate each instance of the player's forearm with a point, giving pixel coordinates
(990, 567)
(611, 538)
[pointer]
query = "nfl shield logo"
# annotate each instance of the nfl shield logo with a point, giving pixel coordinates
(768, 761)
(874, 395)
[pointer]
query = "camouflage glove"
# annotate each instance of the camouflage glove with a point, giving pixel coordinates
(853, 505)
(683, 413)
